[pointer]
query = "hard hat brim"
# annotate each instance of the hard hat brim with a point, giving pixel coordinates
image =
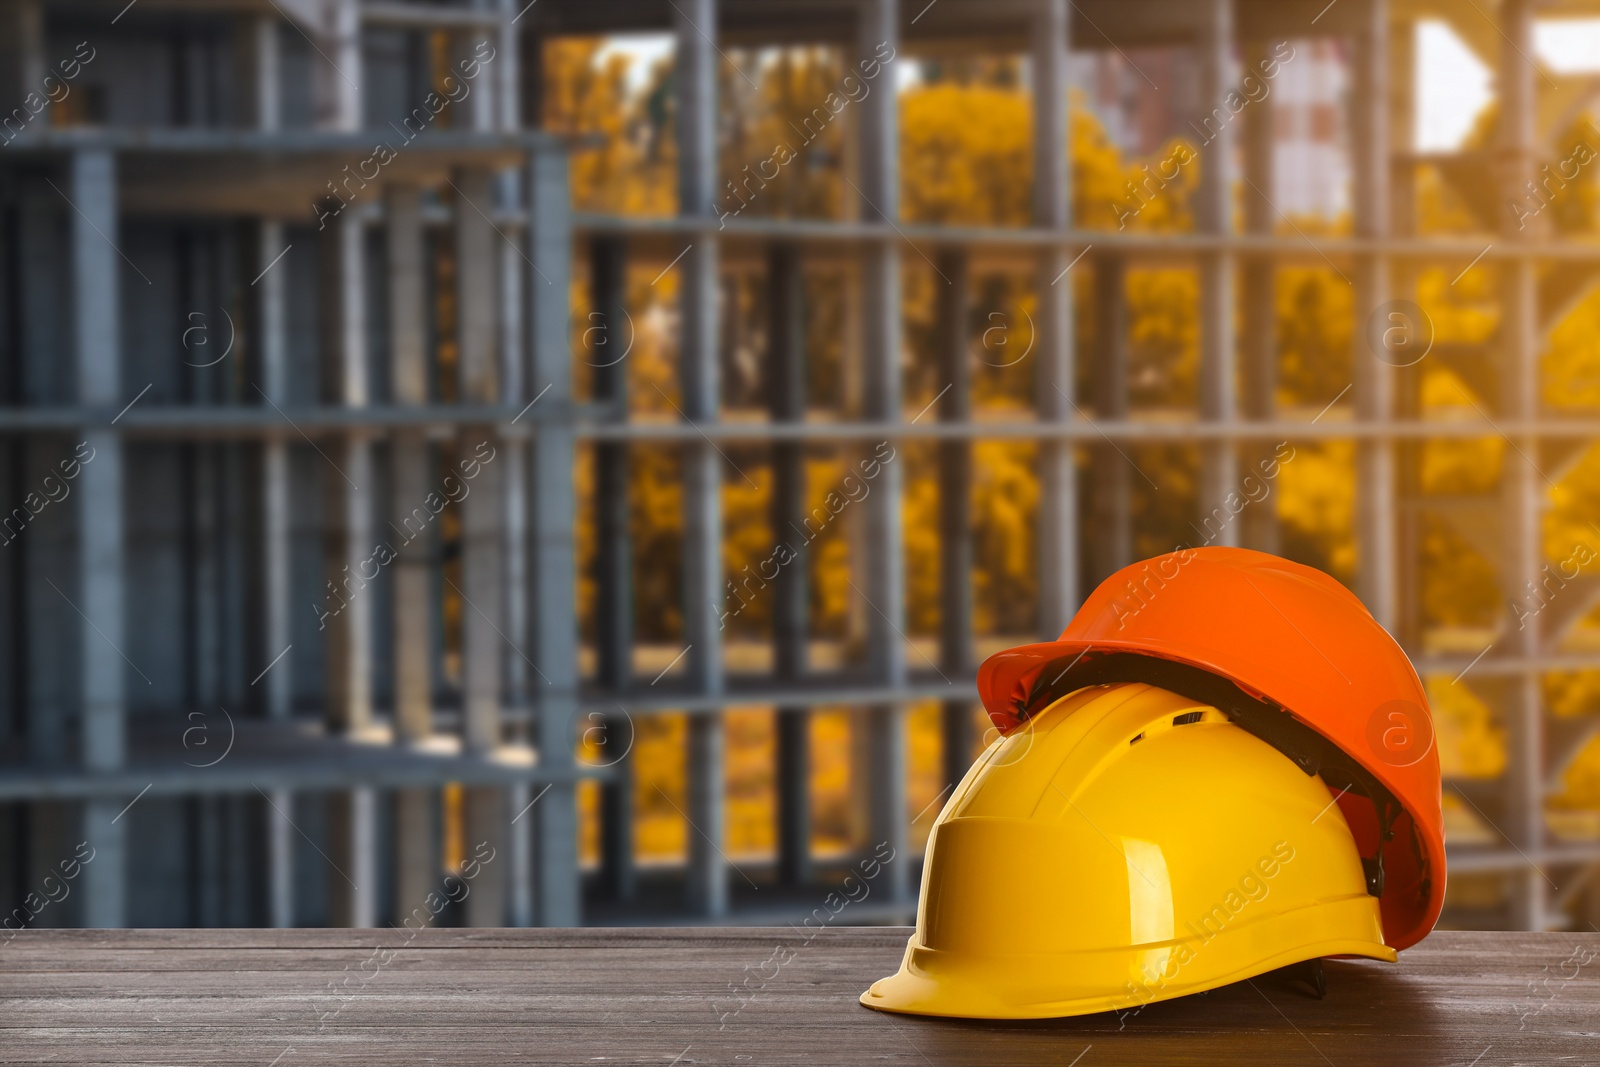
(950, 993)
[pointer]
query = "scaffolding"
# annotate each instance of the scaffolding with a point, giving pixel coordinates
(214, 502)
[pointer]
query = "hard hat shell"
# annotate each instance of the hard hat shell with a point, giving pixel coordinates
(1127, 845)
(1275, 635)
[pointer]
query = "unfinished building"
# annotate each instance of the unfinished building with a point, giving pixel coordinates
(288, 430)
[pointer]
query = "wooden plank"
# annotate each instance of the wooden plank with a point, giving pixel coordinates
(648, 996)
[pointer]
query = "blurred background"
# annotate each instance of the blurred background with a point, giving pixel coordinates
(580, 451)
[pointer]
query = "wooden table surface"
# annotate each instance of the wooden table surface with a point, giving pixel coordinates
(292, 997)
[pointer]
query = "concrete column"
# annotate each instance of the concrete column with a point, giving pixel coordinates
(1054, 389)
(417, 855)
(791, 587)
(279, 677)
(1258, 523)
(410, 480)
(343, 82)
(513, 346)
(353, 844)
(695, 23)
(352, 814)
(488, 822)
(416, 851)
(955, 509)
(881, 574)
(518, 677)
(555, 646)
(268, 73)
(273, 310)
(519, 859)
(882, 753)
(614, 553)
(280, 859)
(1218, 475)
(707, 875)
(351, 567)
(508, 75)
(482, 513)
(1522, 486)
(97, 333)
(475, 238)
(351, 536)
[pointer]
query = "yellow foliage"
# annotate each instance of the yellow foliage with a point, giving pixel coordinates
(966, 159)
(1571, 364)
(832, 825)
(633, 169)
(919, 517)
(1163, 336)
(1456, 465)
(1459, 587)
(1471, 744)
(1574, 505)
(1005, 505)
(1316, 502)
(966, 155)
(659, 764)
(1314, 309)
(1464, 312)
(751, 813)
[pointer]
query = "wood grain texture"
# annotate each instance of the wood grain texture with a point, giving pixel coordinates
(293, 997)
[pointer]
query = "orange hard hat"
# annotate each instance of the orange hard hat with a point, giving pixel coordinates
(1290, 655)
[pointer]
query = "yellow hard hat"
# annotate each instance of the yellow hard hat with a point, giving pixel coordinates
(1128, 845)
